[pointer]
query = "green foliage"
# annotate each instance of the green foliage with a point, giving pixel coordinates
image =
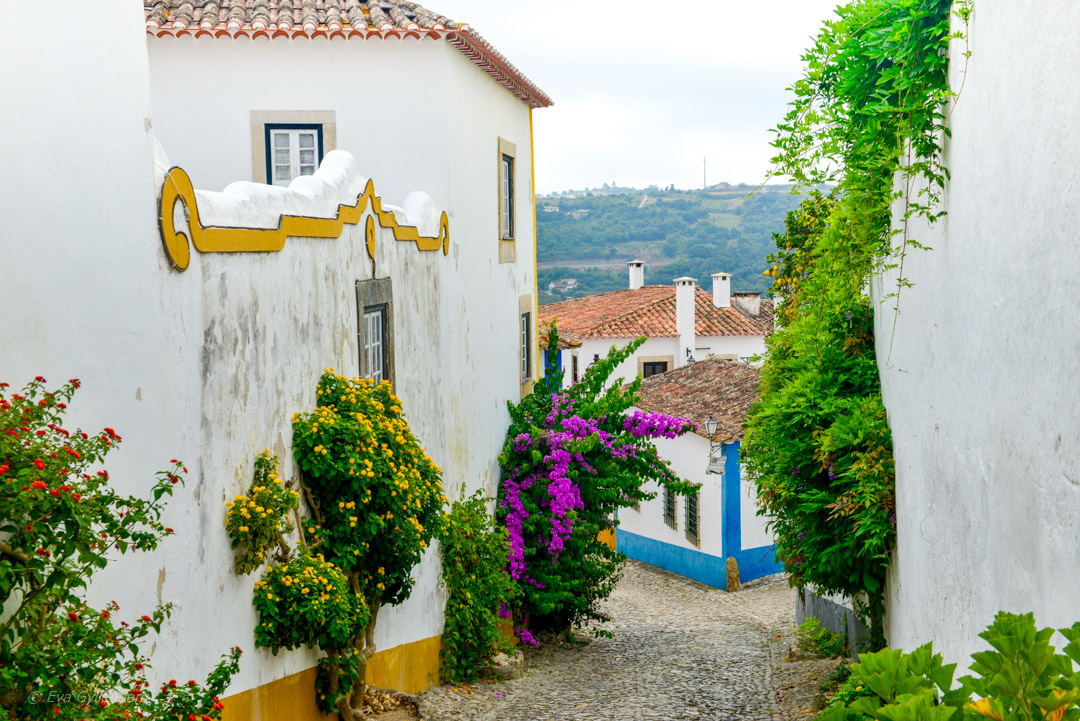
(60, 523)
(1023, 678)
(474, 553)
(813, 638)
(259, 521)
(837, 679)
(695, 232)
(869, 109)
(307, 601)
(376, 502)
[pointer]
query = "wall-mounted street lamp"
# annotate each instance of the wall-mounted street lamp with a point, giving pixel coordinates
(716, 456)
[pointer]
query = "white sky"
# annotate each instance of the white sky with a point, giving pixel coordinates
(644, 90)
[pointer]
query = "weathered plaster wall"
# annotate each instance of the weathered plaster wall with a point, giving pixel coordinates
(981, 384)
(208, 365)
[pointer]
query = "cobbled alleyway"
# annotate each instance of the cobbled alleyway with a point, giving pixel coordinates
(681, 650)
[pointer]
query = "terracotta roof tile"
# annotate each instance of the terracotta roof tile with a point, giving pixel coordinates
(650, 311)
(332, 19)
(712, 388)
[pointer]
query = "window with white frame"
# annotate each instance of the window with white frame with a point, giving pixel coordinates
(375, 329)
(373, 354)
(292, 150)
(526, 347)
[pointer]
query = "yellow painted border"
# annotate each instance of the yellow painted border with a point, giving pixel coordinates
(177, 188)
(411, 668)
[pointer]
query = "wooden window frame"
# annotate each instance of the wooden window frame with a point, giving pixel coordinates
(293, 130)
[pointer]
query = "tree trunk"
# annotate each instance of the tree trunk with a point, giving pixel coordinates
(366, 652)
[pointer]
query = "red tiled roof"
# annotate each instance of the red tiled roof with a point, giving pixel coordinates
(712, 388)
(335, 19)
(650, 311)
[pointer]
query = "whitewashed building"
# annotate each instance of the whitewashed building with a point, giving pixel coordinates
(695, 535)
(681, 322)
(200, 321)
(980, 378)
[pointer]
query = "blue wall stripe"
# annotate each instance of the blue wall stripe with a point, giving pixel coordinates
(704, 567)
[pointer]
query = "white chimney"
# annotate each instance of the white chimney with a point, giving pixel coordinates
(685, 319)
(748, 303)
(721, 290)
(637, 274)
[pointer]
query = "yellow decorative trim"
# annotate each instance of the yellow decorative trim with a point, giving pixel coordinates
(411, 668)
(177, 188)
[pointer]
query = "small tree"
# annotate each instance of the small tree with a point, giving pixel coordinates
(571, 459)
(61, 522)
(376, 501)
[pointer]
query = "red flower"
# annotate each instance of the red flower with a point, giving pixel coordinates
(75, 382)
(61, 406)
(76, 496)
(39, 379)
(169, 530)
(39, 464)
(191, 683)
(39, 485)
(111, 433)
(73, 616)
(65, 487)
(102, 703)
(54, 492)
(147, 619)
(174, 461)
(43, 552)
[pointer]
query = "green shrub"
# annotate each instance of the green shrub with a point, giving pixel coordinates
(813, 638)
(474, 555)
(1022, 678)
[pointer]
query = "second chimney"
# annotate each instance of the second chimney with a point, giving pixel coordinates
(721, 290)
(685, 320)
(637, 274)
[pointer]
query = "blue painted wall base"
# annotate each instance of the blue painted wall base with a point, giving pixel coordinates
(703, 567)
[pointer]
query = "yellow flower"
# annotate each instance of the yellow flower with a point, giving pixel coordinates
(983, 707)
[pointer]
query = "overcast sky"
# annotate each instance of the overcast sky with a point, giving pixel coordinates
(644, 90)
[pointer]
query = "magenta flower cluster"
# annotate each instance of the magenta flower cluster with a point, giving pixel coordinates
(557, 445)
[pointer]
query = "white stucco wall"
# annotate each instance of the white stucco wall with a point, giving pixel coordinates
(209, 365)
(981, 386)
(743, 346)
(689, 457)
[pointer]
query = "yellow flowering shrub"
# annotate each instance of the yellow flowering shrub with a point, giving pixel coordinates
(379, 495)
(307, 602)
(377, 501)
(258, 521)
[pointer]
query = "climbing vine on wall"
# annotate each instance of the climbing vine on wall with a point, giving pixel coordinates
(870, 116)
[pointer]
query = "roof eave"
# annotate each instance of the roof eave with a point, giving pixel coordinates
(480, 52)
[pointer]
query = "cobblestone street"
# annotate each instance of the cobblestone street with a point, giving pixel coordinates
(681, 650)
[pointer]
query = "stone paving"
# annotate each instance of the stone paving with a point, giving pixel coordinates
(681, 650)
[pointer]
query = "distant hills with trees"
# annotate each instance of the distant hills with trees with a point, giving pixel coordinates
(589, 236)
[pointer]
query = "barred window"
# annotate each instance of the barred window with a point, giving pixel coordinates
(692, 519)
(670, 513)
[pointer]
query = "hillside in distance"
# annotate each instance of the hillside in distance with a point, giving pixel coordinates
(589, 236)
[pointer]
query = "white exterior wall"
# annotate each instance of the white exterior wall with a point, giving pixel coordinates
(981, 388)
(689, 457)
(744, 346)
(208, 365)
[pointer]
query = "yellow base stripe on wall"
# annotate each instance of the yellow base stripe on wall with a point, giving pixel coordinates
(177, 188)
(411, 668)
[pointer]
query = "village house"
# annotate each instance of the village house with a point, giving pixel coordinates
(368, 207)
(695, 535)
(683, 323)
